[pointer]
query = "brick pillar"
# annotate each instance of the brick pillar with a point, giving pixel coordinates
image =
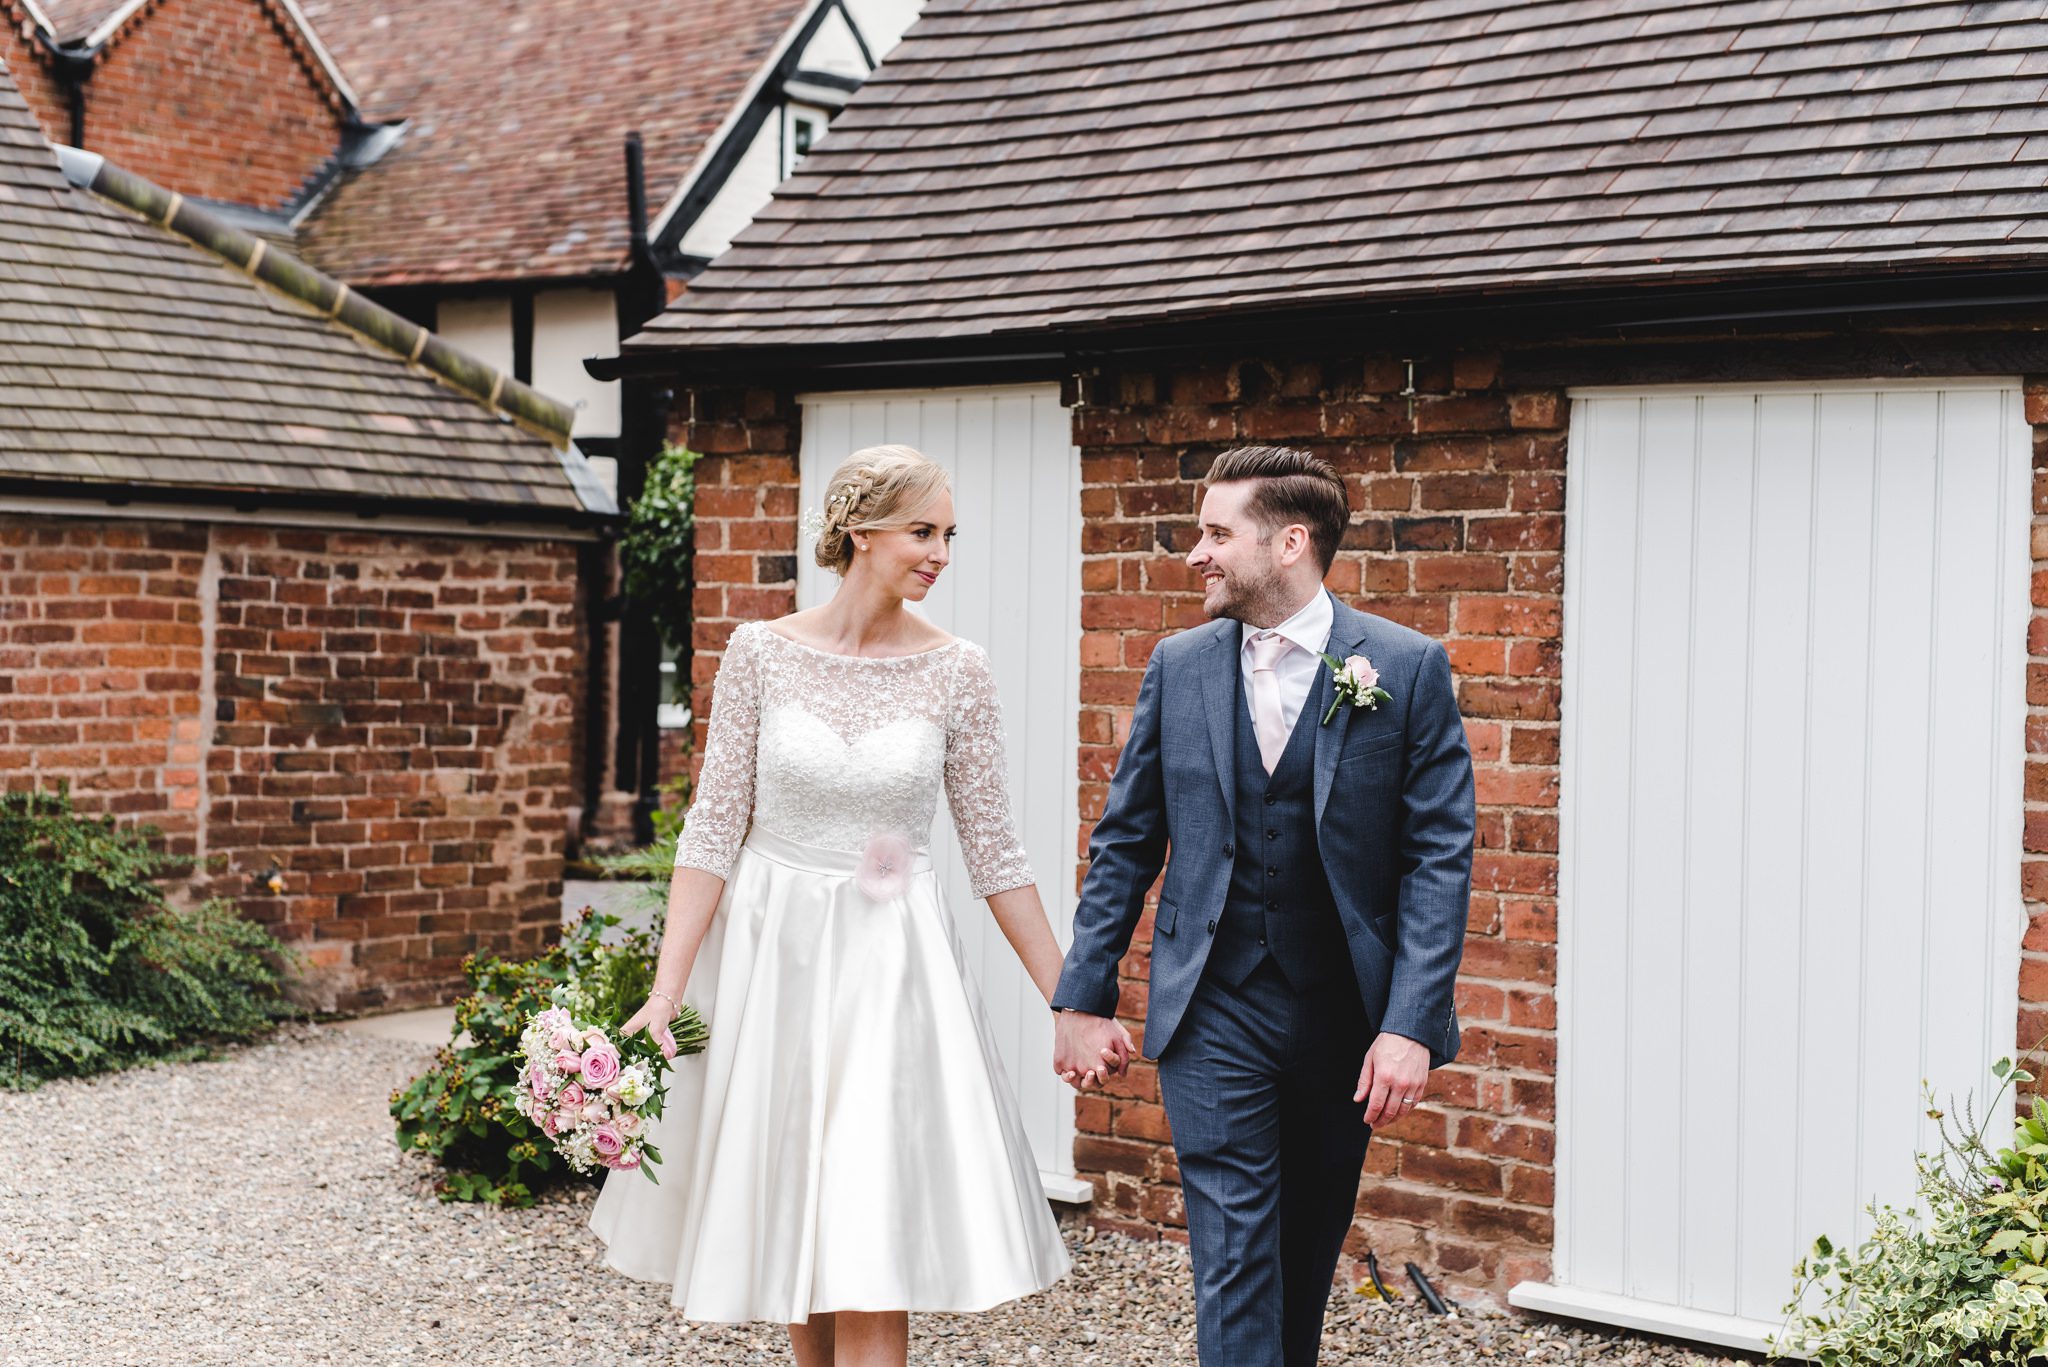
(746, 539)
(2033, 987)
(1458, 523)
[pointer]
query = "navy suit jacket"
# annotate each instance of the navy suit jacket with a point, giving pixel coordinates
(1394, 829)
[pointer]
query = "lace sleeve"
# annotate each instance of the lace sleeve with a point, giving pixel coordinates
(977, 780)
(724, 802)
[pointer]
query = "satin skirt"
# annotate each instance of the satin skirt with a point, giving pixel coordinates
(847, 1140)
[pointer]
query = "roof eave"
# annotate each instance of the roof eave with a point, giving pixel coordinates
(250, 501)
(1727, 301)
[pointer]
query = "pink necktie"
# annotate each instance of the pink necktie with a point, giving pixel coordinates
(1267, 719)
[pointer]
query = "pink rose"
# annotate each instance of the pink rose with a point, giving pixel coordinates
(538, 1081)
(884, 865)
(629, 1124)
(564, 1039)
(626, 1162)
(555, 1124)
(607, 1141)
(600, 1064)
(1361, 669)
(595, 1112)
(571, 1097)
(566, 1062)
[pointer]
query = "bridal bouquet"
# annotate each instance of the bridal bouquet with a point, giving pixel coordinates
(593, 1095)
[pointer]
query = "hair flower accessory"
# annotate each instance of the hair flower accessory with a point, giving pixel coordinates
(1355, 681)
(811, 523)
(884, 865)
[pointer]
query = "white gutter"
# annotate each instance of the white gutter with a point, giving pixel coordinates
(755, 83)
(39, 19)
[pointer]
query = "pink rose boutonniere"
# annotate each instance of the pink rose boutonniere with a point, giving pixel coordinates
(1355, 681)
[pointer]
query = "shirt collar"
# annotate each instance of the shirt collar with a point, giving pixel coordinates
(1308, 628)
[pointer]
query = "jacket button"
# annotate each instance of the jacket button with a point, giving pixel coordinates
(1272, 835)
(1270, 799)
(1272, 872)
(1212, 927)
(1229, 850)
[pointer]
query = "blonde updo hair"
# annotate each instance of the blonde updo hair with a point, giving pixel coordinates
(878, 488)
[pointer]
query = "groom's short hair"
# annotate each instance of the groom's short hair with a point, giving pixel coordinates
(1290, 486)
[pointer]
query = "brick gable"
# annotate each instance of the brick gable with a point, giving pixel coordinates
(25, 61)
(217, 99)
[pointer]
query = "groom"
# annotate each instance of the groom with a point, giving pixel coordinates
(1313, 913)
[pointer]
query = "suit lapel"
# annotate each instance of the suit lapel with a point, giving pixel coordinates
(1347, 634)
(1219, 696)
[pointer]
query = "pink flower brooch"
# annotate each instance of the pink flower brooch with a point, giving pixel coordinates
(884, 865)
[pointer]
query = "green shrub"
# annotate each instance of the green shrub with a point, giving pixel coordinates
(656, 546)
(101, 972)
(1966, 1285)
(460, 1111)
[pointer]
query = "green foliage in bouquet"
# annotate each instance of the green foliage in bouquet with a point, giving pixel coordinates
(461, 1112)
(1969, 1284)
(101, 971)
(655, 548)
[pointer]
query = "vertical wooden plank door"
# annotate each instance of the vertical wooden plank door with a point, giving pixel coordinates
(1794, 689)
(1014, 587)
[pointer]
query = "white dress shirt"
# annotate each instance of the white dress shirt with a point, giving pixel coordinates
(1309, 631)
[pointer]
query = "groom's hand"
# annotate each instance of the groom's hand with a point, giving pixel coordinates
(1086, 1049)
(1395, 1075)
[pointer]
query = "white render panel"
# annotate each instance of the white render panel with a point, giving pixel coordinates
(480, 326)
(1794, 690)
(569, 327)
(1014, 587)
(751, 184)
(883, 22)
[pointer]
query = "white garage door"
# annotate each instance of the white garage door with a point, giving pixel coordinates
(1794, 688)
(1015, 587)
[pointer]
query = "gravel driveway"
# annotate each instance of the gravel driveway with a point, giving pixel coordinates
(255, 1210)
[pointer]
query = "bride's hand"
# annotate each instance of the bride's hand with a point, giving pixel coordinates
(654, 1017)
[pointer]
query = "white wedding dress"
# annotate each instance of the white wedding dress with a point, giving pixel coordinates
(847, 1140)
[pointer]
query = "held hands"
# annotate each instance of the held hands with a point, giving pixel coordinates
(1395, 1075)
(1087, 1050)
(654, 1017)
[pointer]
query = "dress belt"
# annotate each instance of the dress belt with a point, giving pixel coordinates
(800, 854)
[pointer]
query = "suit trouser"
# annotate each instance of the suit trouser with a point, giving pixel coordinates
(1257, 1084)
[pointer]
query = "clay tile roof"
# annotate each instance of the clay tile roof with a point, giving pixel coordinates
(131, 356)
(71, 20)
(1022, 166)
(513, 164)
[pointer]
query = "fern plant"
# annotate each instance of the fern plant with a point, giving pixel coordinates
(102, 971)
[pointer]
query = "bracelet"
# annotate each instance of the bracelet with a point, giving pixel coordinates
(673, 1004)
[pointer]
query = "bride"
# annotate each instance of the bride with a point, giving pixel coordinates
(847, 1149)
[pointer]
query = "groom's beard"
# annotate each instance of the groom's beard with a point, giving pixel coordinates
(1257, 600)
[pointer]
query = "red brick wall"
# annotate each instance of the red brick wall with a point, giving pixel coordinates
(1457, 533)
(30, 70)
(213, 98)
(2033, 1016)
(388, 720)
(746, 525)
(102, 656)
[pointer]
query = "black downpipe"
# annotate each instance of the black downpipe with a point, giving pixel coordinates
(74, 71)
(643, 418)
